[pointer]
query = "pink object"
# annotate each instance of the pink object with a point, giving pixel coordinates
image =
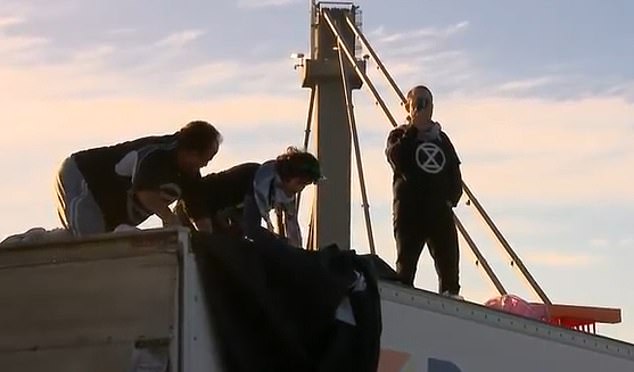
(515, 305)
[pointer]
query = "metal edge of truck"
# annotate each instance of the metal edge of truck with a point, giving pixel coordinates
(433, 302)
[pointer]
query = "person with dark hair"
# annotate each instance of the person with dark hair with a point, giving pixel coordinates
(109, 188)
(275, 187)
(427, 184)
(223, 194)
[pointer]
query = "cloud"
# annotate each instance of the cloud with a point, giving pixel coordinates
(121, 31)
(514, 150)
(180, 39)
(274, 76)
(421, 33)
(6, 22)
(210, 74)
(86, 75)
(515, 225)
(520, 150)
(440, 58)
(12, 46)
(559, 259)
(609, 244)
(623, 88)
(526, 84)
(428, 55)
(255, 4)
(94, 54)
(599, 243)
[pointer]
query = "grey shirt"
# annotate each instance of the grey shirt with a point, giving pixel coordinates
(268, 195)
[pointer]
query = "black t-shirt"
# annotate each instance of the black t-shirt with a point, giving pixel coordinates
(115, 173)
(426, 166)
(228, 188)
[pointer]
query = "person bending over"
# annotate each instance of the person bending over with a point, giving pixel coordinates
(105, 188)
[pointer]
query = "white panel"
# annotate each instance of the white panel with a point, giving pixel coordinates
(200, 352)
(461, 337)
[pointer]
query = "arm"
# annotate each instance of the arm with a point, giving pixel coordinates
(251, 218)
(293, 231)
(155, 202)
(454, 172)
(196, 202)
(202, 224)
(399, 144)
(154, 187)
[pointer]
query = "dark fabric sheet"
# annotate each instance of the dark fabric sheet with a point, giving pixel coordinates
(273, 306)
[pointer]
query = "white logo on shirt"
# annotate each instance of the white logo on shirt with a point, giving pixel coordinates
(430, 158)
(126, 167)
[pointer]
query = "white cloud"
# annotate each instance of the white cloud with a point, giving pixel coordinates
(425, 55)
(211, 74)
(15, 44)
(517, 225)
(421, 33)
(626, 242)
(599, 243)
(11, 45)
(378, 31)
(121, 31)
(10, 21)
(254, 4)
(526, 151)
(611, 244)
(526, 84)
(264, 76)
(560, 259)
(93, 54)
(180, 39)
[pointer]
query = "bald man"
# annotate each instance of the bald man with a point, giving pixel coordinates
(426, 185)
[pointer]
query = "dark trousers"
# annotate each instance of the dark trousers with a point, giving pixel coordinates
(413, 227)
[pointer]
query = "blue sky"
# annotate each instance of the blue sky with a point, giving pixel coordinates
(538, 98)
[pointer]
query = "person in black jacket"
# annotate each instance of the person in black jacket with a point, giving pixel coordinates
(427, 184)
(224, 194)
(240, 198)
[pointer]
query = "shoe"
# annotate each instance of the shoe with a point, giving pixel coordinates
(455, 296)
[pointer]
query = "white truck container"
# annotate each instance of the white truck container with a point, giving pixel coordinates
(426, 332)
(133, 302)
(117, 302)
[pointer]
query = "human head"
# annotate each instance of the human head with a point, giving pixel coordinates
(297, 169)
(198, 143)
(420, 103)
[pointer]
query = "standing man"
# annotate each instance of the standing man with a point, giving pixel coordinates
(426, 186)
(104, 188)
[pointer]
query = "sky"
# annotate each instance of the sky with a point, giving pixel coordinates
(538, 98)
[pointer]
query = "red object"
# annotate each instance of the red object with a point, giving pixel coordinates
(515, 305)
(580, 318)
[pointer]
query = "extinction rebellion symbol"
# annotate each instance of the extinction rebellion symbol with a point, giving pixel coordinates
(430, 158)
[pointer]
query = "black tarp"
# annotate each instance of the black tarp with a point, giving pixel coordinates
(273, 306)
